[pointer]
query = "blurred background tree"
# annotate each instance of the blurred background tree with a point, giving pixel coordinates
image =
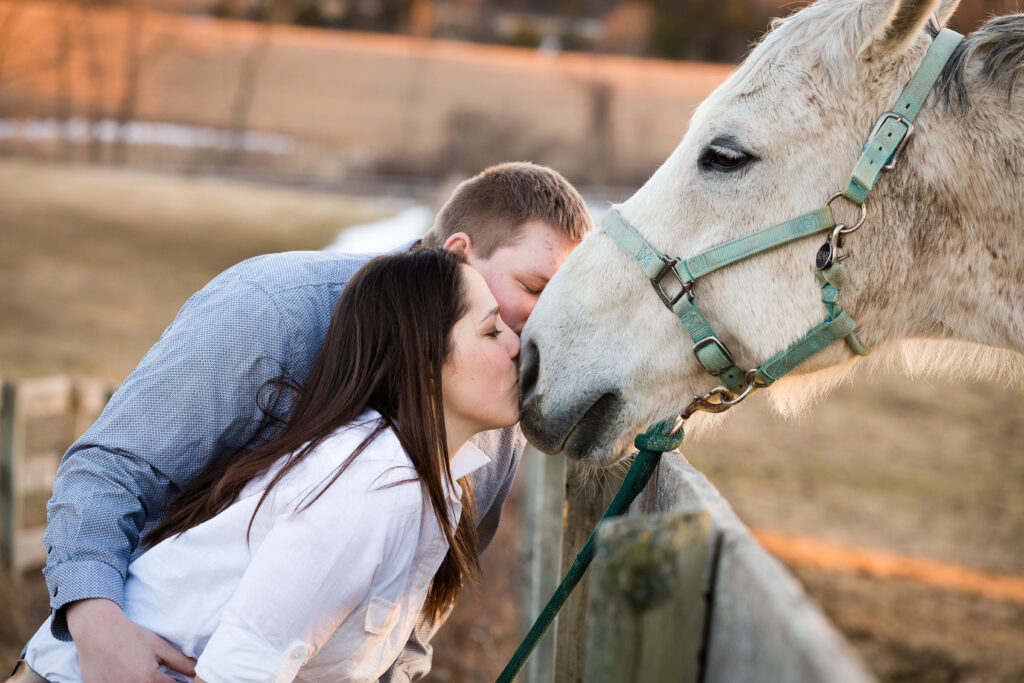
(699, 30)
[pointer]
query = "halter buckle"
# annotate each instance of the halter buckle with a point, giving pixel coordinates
(900, 145)
(668, 266)
(712, 340)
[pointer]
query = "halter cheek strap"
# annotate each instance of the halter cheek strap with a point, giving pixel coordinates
(892, 130)
(885, 143)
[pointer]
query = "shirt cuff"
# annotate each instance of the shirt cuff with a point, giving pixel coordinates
(235, 655)
(78, 580)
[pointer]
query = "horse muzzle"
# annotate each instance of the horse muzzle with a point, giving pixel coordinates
(576, 427)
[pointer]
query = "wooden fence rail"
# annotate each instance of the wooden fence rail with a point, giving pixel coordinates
(679, 591)
(39, 419)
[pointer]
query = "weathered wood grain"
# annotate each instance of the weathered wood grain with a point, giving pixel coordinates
(587, 495)
(543, 512)
(648, 598)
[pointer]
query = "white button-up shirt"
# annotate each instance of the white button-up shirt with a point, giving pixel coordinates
(328, 593)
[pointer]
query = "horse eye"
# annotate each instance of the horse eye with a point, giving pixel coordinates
(723, 159)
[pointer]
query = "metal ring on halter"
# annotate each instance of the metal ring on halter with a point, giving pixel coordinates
(726, 399)
(860, 219)
(751, 377)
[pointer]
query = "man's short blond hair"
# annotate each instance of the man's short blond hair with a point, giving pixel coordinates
(492, 207)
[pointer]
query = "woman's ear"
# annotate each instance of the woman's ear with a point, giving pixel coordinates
(460, 243)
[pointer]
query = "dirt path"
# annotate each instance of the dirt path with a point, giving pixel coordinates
(810, 554)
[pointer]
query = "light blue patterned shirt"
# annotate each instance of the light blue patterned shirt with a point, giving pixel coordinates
(191, 401)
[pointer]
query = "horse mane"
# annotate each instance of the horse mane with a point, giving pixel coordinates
(1000, 46)
(918, 359)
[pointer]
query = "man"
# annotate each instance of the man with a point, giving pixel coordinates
(192, 401)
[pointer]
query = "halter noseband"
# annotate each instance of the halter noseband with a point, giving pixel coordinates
(885, 143)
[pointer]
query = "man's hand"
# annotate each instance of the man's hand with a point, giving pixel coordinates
(114, 649)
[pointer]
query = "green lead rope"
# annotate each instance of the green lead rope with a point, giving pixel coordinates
(651, 444)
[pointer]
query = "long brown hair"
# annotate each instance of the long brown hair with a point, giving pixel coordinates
(384, 350)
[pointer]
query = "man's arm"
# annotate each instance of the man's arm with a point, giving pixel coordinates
(190, 401)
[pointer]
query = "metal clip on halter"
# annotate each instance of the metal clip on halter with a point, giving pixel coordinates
(668, 266)
(828, 253)
(726, 398)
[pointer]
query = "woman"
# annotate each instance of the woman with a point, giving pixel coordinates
(310, 557)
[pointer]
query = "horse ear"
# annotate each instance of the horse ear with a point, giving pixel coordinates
(945, 11)
(900, 22)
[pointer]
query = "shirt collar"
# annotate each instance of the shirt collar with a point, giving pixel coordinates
(467, 459)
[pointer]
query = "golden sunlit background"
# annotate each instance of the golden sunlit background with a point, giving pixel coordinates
(147, 145)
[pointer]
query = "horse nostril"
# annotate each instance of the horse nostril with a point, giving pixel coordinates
(529, 369)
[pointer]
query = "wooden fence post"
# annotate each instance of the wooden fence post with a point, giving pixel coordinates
(543, 517)
(12, 448)
(587, 494)
(29, 464)
(648, 598)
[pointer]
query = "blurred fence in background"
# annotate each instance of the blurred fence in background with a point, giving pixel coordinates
(166, 84)
(39, 419)
(95, 82)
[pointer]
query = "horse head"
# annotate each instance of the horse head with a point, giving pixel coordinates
(603, 357)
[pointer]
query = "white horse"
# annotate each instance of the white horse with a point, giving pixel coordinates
(940, 257)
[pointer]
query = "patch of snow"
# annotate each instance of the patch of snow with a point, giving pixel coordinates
(144, 133)
(385, 234)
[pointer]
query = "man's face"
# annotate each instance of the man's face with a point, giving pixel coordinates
(518, 273)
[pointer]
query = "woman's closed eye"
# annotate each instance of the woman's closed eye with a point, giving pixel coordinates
(494, 332)
(528, 289)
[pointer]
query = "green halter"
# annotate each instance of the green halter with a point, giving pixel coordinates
(886, 141)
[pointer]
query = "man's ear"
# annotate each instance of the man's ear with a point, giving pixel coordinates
(460, 243)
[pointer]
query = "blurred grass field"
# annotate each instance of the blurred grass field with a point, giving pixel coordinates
(96, 261)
